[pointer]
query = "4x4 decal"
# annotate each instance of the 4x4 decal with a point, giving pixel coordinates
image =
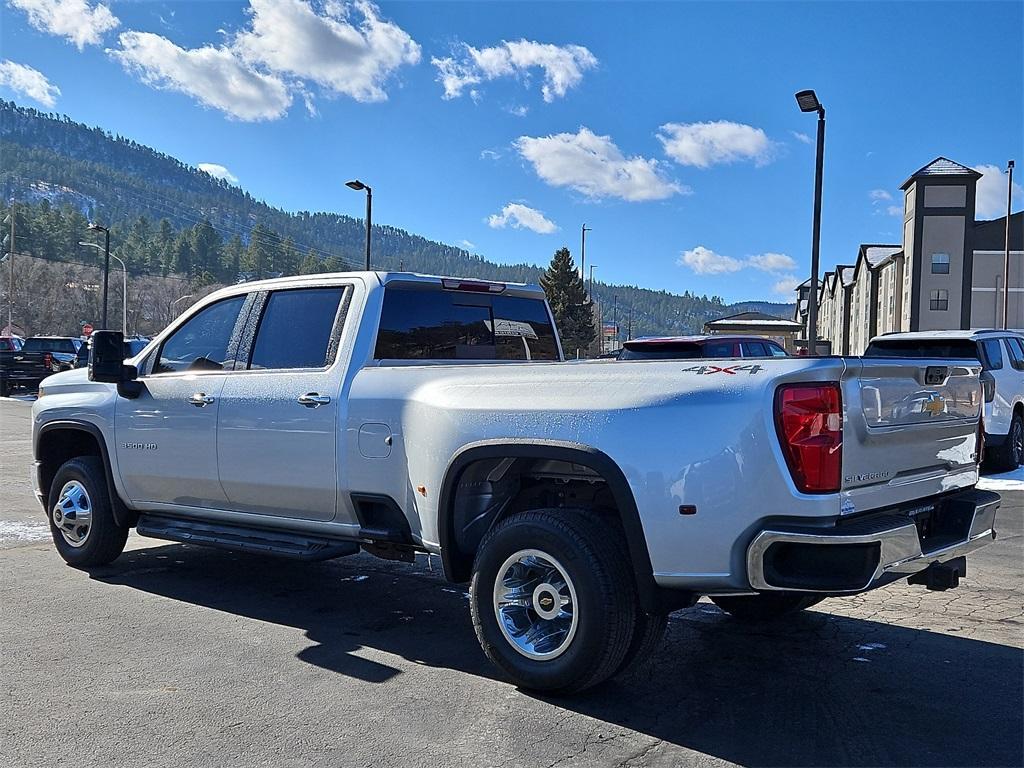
(732, 370)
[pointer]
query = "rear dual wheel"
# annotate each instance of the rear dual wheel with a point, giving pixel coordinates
(554, 602)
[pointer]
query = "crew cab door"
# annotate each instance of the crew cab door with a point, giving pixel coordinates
(279, 417)
(167, 436)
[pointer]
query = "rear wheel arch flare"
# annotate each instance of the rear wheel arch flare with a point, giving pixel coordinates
(458, 564)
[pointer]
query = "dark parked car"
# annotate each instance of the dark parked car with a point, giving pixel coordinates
(132, 347)
(697, 347)
(34, 360)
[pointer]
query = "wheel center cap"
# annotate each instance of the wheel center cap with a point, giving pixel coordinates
(546, 601)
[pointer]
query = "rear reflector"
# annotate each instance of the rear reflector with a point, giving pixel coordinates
(473, 285)
(809, 421)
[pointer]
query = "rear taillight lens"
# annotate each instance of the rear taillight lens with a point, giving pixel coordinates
(48, 360)
(809, 420)
(988, 386)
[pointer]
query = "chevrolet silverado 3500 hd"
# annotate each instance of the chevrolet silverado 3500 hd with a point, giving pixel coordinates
(315, 416)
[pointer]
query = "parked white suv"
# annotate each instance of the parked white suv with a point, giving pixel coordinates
(1002, 358)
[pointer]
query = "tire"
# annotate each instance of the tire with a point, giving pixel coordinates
(766, 606)
(647, 636)
(566, 556)
(1010, 454)
(80, 490)
(5, 388)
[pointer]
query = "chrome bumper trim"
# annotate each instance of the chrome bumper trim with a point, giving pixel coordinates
(900, 552)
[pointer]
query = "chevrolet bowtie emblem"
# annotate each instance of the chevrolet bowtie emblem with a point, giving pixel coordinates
(934, 405)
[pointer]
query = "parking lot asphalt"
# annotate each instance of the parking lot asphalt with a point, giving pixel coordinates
(176, 655)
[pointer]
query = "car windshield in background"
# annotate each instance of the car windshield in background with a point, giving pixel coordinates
(418, 324)
(50, 345)
(10, 345)
(671, 351)
(953, 349)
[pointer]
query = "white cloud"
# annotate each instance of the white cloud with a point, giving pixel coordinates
(79, 21)
(593, 165)
(467, 245)
(704, 261)
(518, 110)
(771, 262)
(894, 210)
(879, 194)
(563, 66)
(212, 75)
(705, 144)
(333, 50)
(803, 138)
(520, 216)
(218, 171)
(489, 154)
(786, 285)
(990, 202)
(26, 81)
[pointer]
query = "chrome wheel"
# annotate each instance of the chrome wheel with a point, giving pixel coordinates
(72, 514)
(535, 604)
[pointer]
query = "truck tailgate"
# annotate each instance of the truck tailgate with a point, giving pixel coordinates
(910, 430)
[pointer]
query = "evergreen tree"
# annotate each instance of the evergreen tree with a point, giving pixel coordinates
(259, 256)
(206, 247)
(573, 311)
(231, 259)
(161, 257)
(182, 260)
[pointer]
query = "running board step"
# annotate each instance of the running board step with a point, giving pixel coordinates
(238, 538)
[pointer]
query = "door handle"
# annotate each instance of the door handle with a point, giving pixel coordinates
(313, 400)
(200, 399)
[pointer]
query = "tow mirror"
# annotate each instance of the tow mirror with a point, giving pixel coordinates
(106, 363)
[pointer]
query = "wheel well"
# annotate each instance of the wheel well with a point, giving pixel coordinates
(60, 445)
(490, 481)
(61, 442)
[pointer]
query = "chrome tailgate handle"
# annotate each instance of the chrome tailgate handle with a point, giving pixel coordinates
(313, 400)
(201, 399)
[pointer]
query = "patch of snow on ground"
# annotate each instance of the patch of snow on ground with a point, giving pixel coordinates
(1007, 481)
(12, 531)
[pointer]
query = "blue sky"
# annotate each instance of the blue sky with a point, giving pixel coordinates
(669, 128)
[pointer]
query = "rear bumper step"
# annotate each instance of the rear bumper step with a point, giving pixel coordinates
(860, 555)
(238, 538)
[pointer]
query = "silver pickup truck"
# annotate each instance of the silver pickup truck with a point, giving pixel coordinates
(315, 417)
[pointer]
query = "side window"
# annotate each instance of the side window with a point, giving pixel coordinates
(753, 349)
(203, 343)
(296, 327)
(777, 351)
(1014, 347)
(993, 358)
(719, 349)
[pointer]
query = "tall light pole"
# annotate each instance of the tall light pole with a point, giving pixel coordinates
(124, 287)
(10, 274)
(358, 186)
(106, 266)
(583, 252)
(808, 102)
(1006, 252)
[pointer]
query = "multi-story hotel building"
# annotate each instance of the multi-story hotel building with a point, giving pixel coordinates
(947, 273)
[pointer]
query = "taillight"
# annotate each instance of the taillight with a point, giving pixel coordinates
(809, 420)
(979, 455)
(48, 360)
(988, 386)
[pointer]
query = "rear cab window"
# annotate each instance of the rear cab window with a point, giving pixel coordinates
(69, 346)
(953, 349)
(424, 322)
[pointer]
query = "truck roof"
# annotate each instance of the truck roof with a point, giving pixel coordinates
(969, 334)
(526, 290)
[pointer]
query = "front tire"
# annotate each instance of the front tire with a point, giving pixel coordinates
(553, 599)
(766, 606)
(81, 516)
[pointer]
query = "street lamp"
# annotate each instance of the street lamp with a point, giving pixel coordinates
(808, 102)
(358, 186)
(124, 288)
(106, 265)
(583, 251)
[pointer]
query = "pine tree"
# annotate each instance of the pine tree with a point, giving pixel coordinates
(206, 246)
(231, 259)
(573, 311)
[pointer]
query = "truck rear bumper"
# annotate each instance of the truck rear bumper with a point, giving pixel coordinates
(866, 552)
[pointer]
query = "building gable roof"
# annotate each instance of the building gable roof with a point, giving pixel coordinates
(941, 167)
(847, 275)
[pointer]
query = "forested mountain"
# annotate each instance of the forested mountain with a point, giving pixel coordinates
(168, 217)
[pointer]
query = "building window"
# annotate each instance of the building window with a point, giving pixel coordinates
(939, 300)
(940, 263)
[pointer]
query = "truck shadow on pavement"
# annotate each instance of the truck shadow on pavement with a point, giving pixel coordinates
(818, 689)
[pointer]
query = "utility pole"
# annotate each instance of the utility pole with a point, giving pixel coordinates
(583, 253)
(629, 326)
(10, 283)
(615, 314)
(1006, 252)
